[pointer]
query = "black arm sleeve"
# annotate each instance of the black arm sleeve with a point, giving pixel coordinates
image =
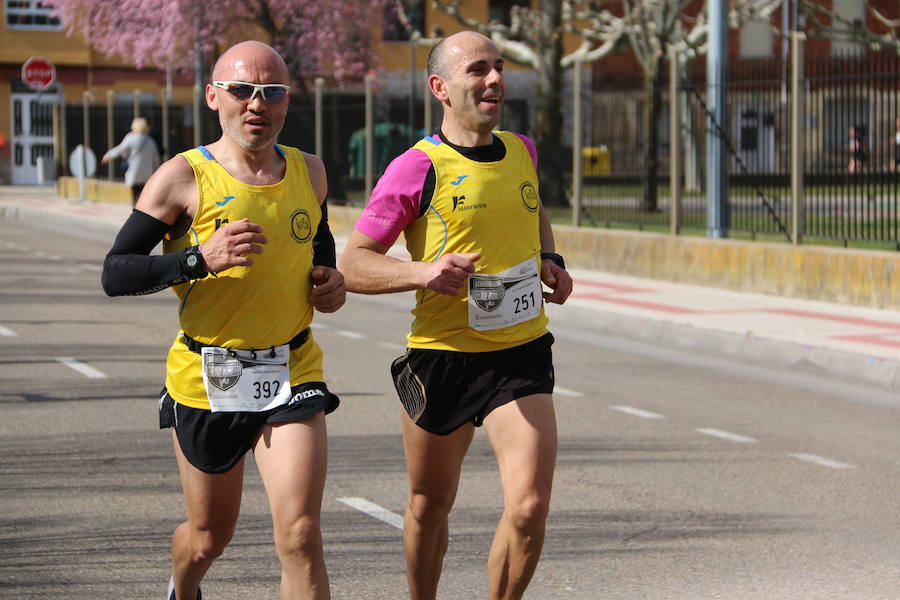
(129, 270)
(323, 243)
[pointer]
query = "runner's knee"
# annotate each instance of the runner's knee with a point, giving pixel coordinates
(209, 545)
(302, 537)
(430, 506)
(529, 512)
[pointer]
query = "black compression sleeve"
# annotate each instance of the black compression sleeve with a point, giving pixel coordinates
(323, 243)
(129, 270)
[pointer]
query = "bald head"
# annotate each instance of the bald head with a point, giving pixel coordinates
(451, 47)
(244, 58)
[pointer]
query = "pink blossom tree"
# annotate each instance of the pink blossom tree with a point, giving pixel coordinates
(314, 36)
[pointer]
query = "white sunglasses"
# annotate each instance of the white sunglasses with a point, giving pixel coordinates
(245, 92)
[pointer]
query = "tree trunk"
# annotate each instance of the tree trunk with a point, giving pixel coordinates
(652, 110)
(548, 138)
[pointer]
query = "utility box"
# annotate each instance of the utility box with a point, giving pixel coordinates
(595, 160)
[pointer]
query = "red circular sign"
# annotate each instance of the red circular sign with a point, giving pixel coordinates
(38, 73)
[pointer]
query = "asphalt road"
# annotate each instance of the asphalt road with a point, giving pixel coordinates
(679, 476)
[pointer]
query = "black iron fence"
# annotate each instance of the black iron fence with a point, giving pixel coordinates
(851, 175)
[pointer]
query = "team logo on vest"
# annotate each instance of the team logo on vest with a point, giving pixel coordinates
(529, 196)
(459, 203)
(301, 226)
(486, 293)
(223, 371)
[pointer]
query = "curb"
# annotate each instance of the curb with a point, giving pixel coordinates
(882, 373)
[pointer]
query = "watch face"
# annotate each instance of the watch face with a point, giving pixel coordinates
(191, 261)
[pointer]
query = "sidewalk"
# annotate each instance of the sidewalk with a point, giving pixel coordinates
(851, 342)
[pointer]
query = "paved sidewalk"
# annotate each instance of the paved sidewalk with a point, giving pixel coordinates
(847, 342)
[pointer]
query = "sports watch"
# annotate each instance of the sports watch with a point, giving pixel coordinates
(194, 267)
(555, 258)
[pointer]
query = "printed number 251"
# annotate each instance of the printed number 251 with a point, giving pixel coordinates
(524, 302)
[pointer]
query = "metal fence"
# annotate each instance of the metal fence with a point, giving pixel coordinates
(851, 195)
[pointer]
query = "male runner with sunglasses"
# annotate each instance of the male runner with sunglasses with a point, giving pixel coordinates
(245, 372)
(479, 350)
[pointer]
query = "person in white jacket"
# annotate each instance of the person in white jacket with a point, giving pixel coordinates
(139, 149)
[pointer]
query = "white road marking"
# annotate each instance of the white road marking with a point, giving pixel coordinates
(7, 332)
(821, 460)
(318, 326)
(373, 510)
(82, 368)
(725, 435)
(97, 268)
(558, 389)
(392, 345)
(352, 335)
(637, 412)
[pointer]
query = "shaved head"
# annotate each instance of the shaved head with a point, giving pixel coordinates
(441, 56)
(247, 56)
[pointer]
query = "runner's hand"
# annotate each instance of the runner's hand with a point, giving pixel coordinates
(556, 279)
(328, 293)
(449, 273)
(227, 246)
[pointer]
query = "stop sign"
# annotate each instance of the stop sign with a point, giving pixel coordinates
(38, 73)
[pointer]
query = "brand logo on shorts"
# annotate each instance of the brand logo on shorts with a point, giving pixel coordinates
(301, 226)
(305, 395)
(223, 371)
(487, 294)
(529, 196)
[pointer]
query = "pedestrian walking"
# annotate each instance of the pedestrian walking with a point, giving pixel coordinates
(139, 151)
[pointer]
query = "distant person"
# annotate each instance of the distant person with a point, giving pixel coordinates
(895, 151)
(859, 151)
(142, 154)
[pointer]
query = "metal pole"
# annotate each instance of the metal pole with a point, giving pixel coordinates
(411, 112)
(136, 103)
(717, 121)
(798, 135)
(58, 149)
(576, 142)
(676, 160)
(110, 133)
(86, 119)
(167, 101)
(320, 87)
(370, 131)
(198, 88)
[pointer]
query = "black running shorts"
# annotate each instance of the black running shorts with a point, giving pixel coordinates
(215, 442)
(441, 390)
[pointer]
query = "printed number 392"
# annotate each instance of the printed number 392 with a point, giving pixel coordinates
(265, 389)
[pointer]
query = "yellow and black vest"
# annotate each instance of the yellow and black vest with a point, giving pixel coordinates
(486, 207)
(255, 307)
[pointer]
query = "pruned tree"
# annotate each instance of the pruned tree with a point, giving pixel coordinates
(534, 37)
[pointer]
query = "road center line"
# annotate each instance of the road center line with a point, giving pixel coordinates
(373, 510)
(7, 332)
(637, 412)
(82, 368)
(725, 435)
(352, 335)
(821, 460)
